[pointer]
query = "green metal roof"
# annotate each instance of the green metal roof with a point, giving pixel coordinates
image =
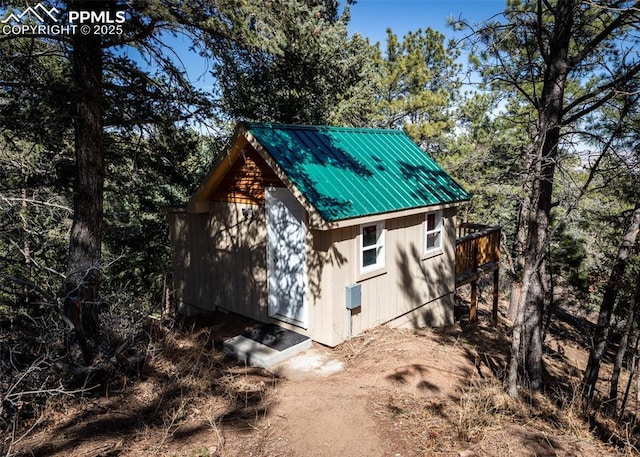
(350, 172)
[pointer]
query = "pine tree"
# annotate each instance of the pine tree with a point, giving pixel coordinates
(417, 84)
(64, 92)
(302, 68)
(548, 52)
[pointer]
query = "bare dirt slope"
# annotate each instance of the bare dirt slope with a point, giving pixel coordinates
(385, 393)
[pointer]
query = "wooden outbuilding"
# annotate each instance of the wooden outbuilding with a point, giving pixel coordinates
(323, 230)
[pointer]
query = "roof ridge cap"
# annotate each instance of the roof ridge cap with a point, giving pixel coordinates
(276, 125)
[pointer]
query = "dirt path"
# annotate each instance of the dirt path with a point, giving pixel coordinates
(385, 393)
(327, 406)
(318, 419)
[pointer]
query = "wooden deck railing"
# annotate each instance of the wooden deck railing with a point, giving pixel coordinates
(477, 252)
(476, 247)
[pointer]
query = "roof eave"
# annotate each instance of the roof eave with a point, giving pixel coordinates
(332, 225)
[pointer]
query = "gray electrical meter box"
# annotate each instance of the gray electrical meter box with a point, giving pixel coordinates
(353, 296)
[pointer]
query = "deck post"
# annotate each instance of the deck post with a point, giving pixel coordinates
(473, 309)
(477, 253)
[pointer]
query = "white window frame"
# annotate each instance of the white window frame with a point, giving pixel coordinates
(438, 229)
(379, 246)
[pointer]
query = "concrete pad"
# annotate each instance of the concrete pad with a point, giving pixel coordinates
(313, 363)
(266, 346)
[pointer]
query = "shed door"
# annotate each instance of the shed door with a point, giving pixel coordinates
(286, 257)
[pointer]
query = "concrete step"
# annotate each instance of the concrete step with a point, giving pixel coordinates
(266, 346)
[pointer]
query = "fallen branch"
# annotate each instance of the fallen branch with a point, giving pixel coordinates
(53, 391)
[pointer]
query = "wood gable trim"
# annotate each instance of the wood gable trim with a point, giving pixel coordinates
(314, 218)
(240, 175)
(199, 202)
(246, 180)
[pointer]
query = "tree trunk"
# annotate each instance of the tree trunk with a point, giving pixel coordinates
(601, 333)
(612, 404)
(516, 345)
(518, 249)
(84, 263)
(551, 306)
(632, 373)
(529, 160)
(532, 301)
(26, 237)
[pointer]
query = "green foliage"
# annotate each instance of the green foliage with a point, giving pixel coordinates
(602, 213)
(306, 69)
(567, 260)
(417, 84)
(515, 56)
(35, 216)
(150, 161)
(35, 145)
(173, 160)
(628, 287)
(483, 154)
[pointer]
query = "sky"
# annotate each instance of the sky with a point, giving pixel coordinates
(371, 18)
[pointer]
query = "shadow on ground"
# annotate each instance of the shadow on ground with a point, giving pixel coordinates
(188, 385)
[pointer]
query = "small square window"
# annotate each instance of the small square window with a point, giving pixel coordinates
(433, 231)
(371, 247)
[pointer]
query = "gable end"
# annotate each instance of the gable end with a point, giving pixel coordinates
(246, 180)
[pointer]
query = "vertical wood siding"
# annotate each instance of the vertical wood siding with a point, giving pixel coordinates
(219, 257)
(331, 268)
(220, 260)
(413, 290)
(187, 263)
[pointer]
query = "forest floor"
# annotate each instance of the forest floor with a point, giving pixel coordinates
(388, 392)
